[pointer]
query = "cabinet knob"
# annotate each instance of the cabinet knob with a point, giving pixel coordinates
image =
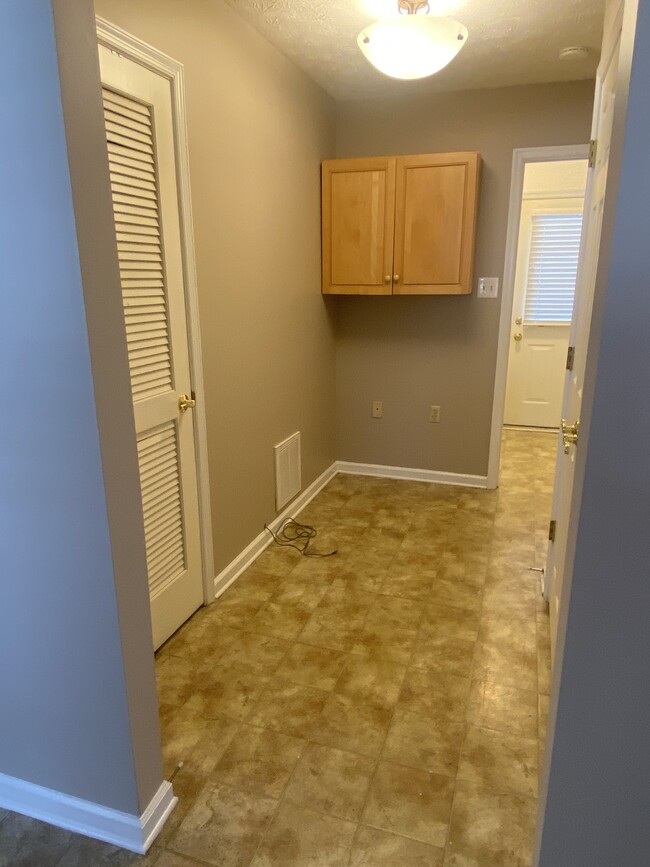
(387, 278)
(396, 278)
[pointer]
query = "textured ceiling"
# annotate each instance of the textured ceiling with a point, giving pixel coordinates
(510, 42)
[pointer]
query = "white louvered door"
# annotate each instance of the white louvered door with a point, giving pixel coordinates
(140, 135)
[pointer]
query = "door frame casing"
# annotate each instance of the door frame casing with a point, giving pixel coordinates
(520, 159)
(116, 39)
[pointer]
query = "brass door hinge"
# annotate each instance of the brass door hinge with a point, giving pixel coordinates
(571, 354)
(551, 531)
(593, 150)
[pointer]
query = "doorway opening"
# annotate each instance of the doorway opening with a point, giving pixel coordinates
(548, 250)
(542, 251)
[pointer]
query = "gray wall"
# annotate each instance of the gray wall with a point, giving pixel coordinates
(86, 140)
(413, 352)
(258, 129)
(66, 709)
(597, 797)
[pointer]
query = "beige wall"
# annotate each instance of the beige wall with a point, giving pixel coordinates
(79, 708)
(258, 129)
(413, 352)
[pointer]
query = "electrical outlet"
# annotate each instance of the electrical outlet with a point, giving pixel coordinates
(488, 287)
(377, 409)
(434, 414)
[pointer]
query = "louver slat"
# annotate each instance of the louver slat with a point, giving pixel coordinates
(161, 502)
(552, 267)
(137, 216)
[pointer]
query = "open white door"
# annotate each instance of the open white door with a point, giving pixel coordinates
(572, 402)
(140, 134)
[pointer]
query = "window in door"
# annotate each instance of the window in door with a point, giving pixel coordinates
(552, 267)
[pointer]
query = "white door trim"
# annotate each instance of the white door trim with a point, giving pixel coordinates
(520, 157)
(116, 39)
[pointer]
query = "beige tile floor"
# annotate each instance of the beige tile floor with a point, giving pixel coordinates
(380, 707)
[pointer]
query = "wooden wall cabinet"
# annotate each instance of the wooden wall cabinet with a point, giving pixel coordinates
(400, 225)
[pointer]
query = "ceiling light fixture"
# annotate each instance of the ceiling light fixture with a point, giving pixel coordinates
(414, 44)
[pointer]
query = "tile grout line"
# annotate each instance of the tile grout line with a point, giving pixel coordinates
(305, 746)
(388, 728)
(446, 847)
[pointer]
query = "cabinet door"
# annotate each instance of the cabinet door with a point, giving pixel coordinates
(358, 224)
(435, 223)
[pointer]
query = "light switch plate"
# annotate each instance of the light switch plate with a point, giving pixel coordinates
(488, 287)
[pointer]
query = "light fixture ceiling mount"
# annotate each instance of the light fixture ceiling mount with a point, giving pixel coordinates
(412, 7)
(413, 44)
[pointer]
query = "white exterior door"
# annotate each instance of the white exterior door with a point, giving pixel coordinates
(139, 128)
(594, 201)
(545, 276)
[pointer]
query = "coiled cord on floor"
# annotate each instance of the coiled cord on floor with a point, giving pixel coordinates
(299, 536)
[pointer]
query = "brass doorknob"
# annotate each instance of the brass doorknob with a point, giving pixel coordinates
(570, 434)
(518, 336)
(185, 402)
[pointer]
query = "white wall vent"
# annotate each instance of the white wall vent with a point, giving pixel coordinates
(287, 470)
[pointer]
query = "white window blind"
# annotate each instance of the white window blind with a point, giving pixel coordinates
(552, 267)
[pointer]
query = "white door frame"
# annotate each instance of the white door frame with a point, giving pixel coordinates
(520, 158)
(118, 40)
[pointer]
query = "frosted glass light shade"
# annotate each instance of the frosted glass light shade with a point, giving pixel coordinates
(412, 46)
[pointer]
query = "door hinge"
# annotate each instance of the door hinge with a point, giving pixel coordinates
(593, 150)
(571, 354)
(551, 531)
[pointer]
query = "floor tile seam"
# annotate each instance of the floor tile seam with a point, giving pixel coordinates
(381, 751)
(481, 615)
(191, 858)
(290, 803)
(314, 809)
(446, 847)
(242, 791)
(476, 641)
(472, 669)
(238, 666)
(338, 650)
(73, 843)
(506, 685)
(303, 750)
(501, 791)
(183, 761)
(402, 835)
(386, 759)
(268, 687)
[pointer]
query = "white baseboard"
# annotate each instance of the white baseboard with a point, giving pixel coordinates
(135, 833)
(410, 474)
(234, 569)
